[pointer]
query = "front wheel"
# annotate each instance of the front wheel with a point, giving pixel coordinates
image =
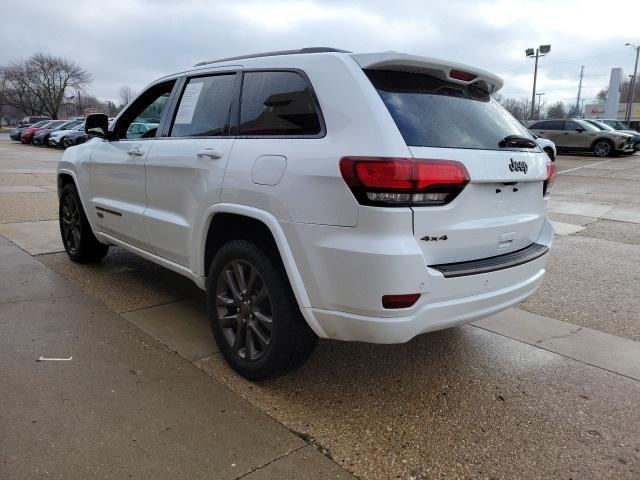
(254, 316)
(602, 148)
(77, 237)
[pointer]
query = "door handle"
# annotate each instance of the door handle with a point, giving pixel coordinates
(135, 152)
(209, 152)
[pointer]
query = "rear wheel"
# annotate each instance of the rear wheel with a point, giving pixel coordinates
(77, 237)
(254, 316)
(602, 148)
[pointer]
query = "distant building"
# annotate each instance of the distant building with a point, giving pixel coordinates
(608, 109)
(598, 110)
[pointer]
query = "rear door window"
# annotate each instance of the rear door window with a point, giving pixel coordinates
(555, 125)
(205, 107)
(431, 112)
(549, 125)
(277, 104)
(574, 126)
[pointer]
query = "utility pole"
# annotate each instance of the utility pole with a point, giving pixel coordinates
(541, 51)
(578, 111)
(627, 115)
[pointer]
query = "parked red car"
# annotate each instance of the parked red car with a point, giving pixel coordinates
(27, 134)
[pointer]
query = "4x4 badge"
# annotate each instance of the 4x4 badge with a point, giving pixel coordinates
(434, 239)
(518, 166)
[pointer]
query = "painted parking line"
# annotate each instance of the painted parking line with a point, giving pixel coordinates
(583, 166)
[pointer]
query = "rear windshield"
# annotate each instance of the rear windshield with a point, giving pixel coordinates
(435, 113)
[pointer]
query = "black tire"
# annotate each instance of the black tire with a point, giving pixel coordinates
(78, 239)
(603, 148)
(268, 337)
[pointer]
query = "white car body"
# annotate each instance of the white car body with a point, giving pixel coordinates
(548, 146)
(158, 197)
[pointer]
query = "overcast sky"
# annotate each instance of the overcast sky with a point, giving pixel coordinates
(133, 42)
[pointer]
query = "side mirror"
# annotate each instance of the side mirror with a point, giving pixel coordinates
(97, 125)
(579, 129)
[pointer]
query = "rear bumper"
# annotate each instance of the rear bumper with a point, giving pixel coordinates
(346, 271)
(432, 316)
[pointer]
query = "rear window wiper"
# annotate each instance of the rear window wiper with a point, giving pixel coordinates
(516, 141)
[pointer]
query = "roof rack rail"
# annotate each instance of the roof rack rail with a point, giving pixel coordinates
(276, 53)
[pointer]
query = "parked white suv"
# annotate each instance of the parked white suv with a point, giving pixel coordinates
(319, 193)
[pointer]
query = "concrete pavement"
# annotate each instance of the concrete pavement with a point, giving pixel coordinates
(123, 406)
(549, 394)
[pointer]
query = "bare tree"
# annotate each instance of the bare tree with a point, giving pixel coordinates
(624, 92)
(87, 102)
(557, 110)
(38, 84)
(626, 88)
(573, 111)
(519, 108)
(126, 94)
(602, 95)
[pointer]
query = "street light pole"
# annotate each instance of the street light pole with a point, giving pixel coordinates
(535, 78)
(627, 115)
(538, 110)
(541, 51)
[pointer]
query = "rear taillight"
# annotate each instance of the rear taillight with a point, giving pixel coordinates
(551, 177)
(390, 181)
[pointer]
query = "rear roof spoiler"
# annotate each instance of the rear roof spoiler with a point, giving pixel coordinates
(462, 74)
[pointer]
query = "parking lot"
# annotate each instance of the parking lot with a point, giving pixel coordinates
(550, 389)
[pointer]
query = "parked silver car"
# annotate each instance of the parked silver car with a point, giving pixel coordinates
(622, 127)
(603, 126)
(575, 134)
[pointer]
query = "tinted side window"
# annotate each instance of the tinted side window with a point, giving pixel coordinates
(205, 107)
(540, 125)
(277, 103)
(572, 126)
(554, 125)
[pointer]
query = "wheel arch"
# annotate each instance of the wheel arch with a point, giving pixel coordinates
(67, 176)
(227, 221)
(64, 178)
(599, 139)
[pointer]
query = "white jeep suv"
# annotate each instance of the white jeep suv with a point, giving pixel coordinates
(319, 193)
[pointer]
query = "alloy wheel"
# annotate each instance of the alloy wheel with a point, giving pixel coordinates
(70, 222)
(602, 149)
(244, 310)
